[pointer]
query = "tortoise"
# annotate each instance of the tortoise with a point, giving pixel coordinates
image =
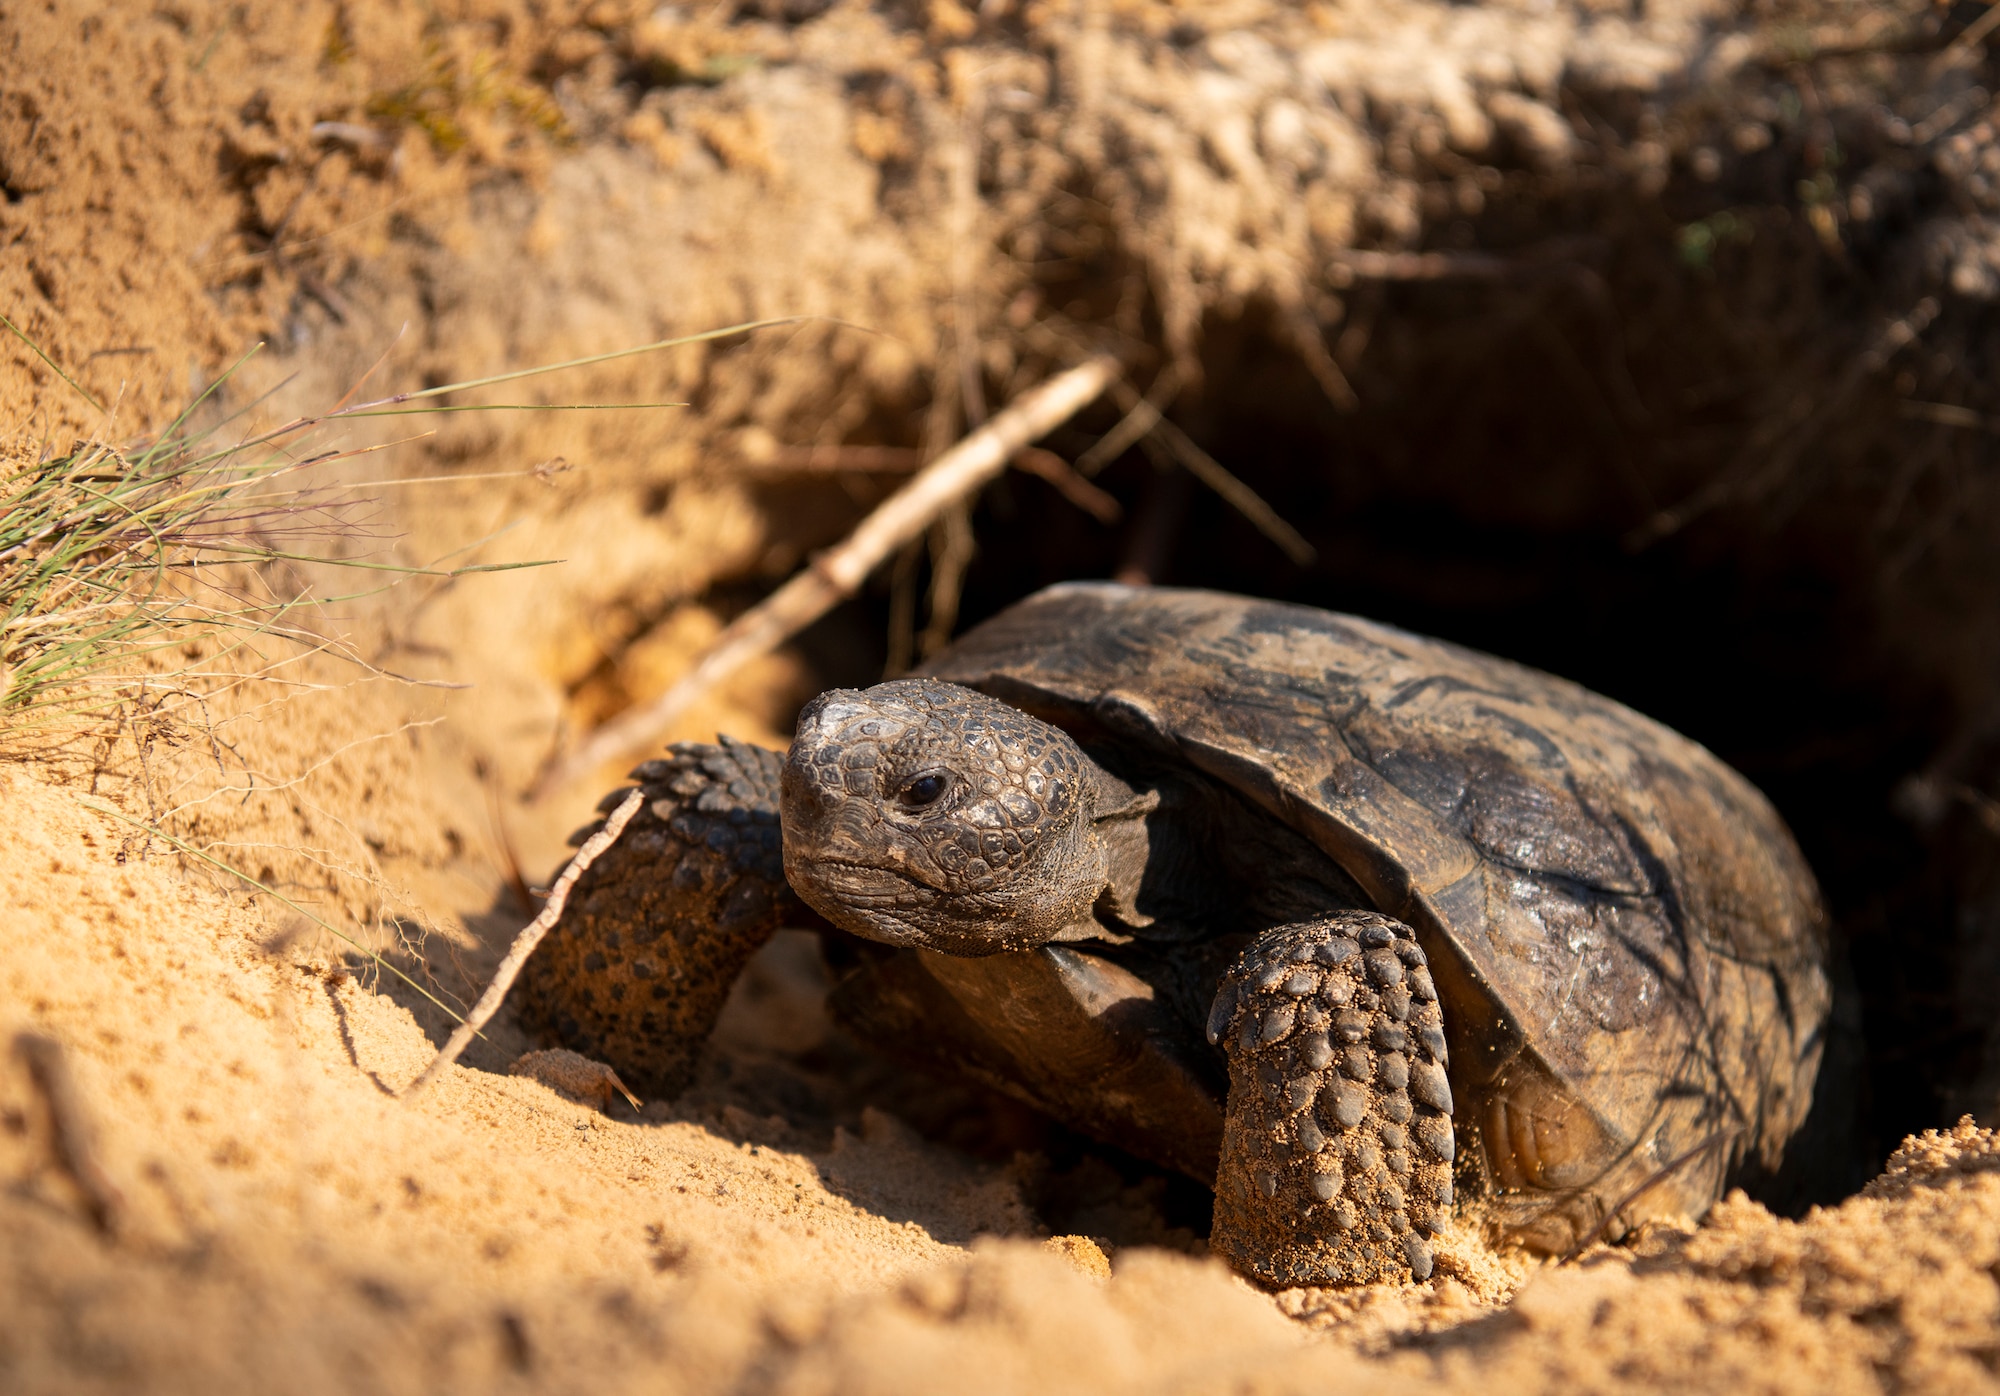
(1344, 922)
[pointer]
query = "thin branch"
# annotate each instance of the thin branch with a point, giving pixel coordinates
(525, 943)
(1140, 419)
(839, 572)
(1239, 496)
(1047, 465)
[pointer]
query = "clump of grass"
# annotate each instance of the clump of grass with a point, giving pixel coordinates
(152, 572)
(109, 554)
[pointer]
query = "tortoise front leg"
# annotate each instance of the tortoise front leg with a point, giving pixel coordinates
(1337, 1146)
(657, 930)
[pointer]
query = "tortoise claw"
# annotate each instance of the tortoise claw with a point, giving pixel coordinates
(1337, 1149)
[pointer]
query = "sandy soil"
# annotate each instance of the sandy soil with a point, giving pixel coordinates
(283, 1221)
(270, 1215)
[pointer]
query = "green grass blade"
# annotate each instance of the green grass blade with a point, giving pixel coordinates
(188, 411)
(584, 362)
(58, 368)
(509, 407)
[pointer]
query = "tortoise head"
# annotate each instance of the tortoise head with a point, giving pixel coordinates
(921, 813)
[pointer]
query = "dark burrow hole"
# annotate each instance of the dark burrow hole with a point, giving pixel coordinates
(1476, 498)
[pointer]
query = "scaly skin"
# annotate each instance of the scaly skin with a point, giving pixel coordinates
(1337, 1150)
(1337, 1140)
(660, 926)
(1619, 937)
(923, 814)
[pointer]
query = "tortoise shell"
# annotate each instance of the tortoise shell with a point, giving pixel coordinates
(1628, 944)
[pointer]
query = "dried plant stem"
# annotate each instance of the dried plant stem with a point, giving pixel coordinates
(1239, 496)
(952, 549)
(1140, 418)
(1049, 466)
(525, 943)
(839, 572)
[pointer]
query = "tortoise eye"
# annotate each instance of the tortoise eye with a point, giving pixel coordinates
(924, 790)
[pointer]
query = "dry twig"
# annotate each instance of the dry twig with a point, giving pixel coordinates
(838, 573)
(1139, 419)
(831, 460)
(1178, 444)
(525, 943)
(1049, 466)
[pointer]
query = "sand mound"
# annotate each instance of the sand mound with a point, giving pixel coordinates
(283, 1221)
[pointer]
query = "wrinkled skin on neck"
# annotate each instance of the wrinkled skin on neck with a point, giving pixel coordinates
(920, 813)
